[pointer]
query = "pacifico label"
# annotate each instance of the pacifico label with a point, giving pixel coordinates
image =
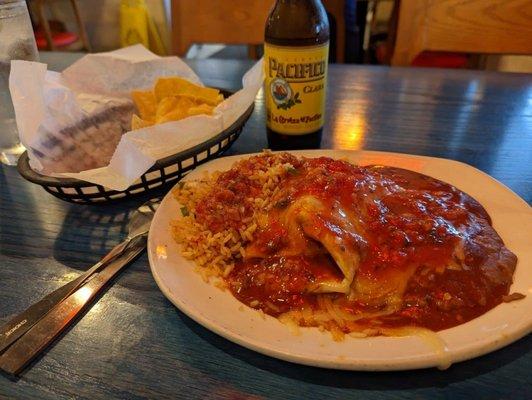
(295, 82)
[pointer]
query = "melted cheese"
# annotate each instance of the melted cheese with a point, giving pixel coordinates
(335, 233)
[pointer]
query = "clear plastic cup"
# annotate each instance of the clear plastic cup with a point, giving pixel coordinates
(17, 42)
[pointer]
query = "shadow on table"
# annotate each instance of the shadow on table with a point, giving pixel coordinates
(394, 380)
(89, 232)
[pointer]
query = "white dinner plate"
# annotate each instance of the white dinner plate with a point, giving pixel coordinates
(220, 312)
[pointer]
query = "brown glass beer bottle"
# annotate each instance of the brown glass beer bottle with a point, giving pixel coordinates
(296, 51)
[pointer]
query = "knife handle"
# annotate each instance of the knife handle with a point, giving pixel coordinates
(36, 339)
(20, 324)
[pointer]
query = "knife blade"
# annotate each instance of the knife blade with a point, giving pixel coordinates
(36, 339)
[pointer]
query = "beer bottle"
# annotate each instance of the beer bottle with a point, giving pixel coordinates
(296, 53)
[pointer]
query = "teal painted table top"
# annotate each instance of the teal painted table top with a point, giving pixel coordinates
(134, 344)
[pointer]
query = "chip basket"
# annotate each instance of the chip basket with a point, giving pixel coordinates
(163, 173)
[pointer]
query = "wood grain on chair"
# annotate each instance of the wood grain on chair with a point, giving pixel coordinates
(228, 22)
(234, 22)
(469, 26)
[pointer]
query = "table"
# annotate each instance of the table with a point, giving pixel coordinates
(135, 344)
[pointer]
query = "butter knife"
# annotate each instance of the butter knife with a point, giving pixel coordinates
(37, 339)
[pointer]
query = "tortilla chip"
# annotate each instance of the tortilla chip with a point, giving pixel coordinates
(139, 123)
(172, 99)
(172, 108)
(145, 102)
(200, 109)
(174, 86)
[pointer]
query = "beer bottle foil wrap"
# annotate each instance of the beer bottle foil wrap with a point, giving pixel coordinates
(76, 123)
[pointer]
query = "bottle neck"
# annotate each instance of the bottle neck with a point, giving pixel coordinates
(298, 1)
(297, 23)
(313, 4)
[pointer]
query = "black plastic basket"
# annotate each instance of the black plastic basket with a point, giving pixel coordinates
(164, 172)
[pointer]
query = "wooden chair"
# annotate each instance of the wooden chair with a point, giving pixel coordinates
(234, 22)
(43, 21)
(468, 26)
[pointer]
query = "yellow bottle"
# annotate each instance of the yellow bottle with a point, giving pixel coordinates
(296, 53)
